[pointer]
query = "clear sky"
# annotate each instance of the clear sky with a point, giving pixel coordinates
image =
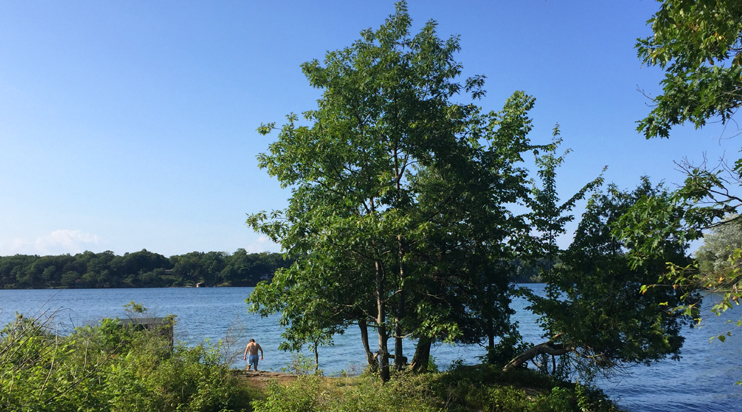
(127, 125)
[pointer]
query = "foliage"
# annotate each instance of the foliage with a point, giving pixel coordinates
(718, 247)
(399, 214)
(479, 388)
(138, 269)
(601, 314)
(698, 45)
(549, 218)
(505, 350)
(300, 364)
(648, 219)
(108, 367)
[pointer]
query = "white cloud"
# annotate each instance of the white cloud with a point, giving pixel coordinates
(55, 243)
(263, 244)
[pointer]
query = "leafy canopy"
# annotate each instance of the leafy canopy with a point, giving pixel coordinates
(698, 44)
(596, 307)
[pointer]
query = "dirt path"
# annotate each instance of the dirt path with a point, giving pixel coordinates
(260, 379)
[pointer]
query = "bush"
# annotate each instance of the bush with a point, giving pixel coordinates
(107, 367)
(300, 364)
(365, 393)
(303, 395)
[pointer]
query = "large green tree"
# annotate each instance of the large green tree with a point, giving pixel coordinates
(398, 217)
(548, 219)
(596, 309)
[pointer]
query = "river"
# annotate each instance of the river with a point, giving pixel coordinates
(703, 380)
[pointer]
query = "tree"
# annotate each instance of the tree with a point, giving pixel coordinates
(188, 267)
(548, 218)
(698, 45)
(715, 255)
(599, 312)
(391, 182)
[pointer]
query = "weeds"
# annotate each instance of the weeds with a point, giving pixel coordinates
(108, 367)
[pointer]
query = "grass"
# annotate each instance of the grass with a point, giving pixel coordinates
(463, 389)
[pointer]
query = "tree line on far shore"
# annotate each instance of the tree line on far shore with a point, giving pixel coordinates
(145, 269)
(138, 269)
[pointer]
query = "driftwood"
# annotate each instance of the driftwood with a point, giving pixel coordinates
(549, 348)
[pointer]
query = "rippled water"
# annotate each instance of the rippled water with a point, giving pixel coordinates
(702, 381)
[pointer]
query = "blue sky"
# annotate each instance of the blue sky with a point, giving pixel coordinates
(131, 125)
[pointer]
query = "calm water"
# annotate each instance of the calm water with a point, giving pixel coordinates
(702, 381)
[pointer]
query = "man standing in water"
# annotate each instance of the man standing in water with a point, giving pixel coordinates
(252, 349)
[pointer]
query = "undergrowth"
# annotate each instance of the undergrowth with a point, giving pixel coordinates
(464, 389)
(108, 367)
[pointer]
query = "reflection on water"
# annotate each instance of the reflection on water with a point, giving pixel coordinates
(703, 380)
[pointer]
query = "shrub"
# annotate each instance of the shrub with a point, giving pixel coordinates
(314, 393)
(107, 367)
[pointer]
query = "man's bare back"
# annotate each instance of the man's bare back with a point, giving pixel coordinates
(252, 349)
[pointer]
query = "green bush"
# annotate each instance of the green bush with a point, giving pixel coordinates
(300, 396)
(361, 394)
(108, 367)
(300, 364)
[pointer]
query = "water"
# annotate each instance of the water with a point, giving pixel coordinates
(702, 381)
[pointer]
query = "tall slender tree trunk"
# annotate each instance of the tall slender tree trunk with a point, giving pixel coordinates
(381, 322)
(399, 359)
(422, 355)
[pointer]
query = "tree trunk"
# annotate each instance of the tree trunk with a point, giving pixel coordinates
(398, 352)
(316, 356)
(383, 351)
(370, 358)
(422, 355)
(399, 359)
(549, 348)
(381, 322)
